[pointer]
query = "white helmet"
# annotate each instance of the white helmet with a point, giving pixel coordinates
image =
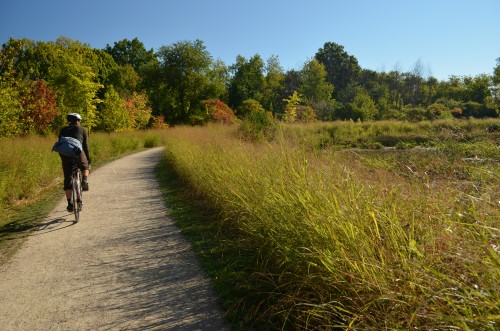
(73, 117)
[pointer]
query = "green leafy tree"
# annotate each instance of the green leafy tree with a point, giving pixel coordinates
(153, 84)
(342, 70)
(218, 77)
(66, 67)
(130, 52)
(124, 79)
(248, 80)
(76, 85)
(363, 107)
(496, 73)
(394, 79)
(114, 115)
(477, 88)
(183, 81)
(10, 103)
(10, 110)
(314, 88)
(273, 87)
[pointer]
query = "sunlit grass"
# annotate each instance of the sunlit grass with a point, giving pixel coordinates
(326, 238)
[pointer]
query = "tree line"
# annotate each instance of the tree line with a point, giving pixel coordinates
(127, 87)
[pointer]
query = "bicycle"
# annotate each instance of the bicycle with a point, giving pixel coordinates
(76, 191)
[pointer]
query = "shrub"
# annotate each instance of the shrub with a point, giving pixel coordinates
(218, 112)
(249, 106)
(258, 126)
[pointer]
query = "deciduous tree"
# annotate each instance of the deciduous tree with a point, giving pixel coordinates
(314, 88)
(39, 107)
(184, 80)
(248, 80)
(130, 52)
(113, 115)
(342, 70)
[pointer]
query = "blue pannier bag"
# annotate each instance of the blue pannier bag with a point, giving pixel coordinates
(68, 146)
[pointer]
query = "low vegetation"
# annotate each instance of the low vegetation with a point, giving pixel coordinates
(312, 235)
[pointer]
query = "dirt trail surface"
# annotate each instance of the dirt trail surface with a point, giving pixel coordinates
(124, 266)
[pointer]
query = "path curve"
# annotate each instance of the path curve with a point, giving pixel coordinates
(124, 266)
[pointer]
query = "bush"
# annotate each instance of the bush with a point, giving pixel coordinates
(218, 112)
(249, 106)
(258, 126)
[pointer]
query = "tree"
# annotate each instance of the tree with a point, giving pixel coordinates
(138, 110)
(314, 88)
(114, 115)
(218, 77)
(10, 104)
(342, 69)
(124, 79)
(75, 81)
(477, 88)
(184, 80)
(10, 110)
(130, 52)
(496, 73)
(363, 107)
(291, 83)
(273, 87)
(67, 68)
(39, 107)
(292, 103)
(248, 80)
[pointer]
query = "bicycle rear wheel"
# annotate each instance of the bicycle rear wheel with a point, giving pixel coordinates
(76, 195)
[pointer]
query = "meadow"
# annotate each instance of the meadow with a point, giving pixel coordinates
(350, 225)
(386, 225)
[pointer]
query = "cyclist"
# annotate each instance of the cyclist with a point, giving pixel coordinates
(75, 130)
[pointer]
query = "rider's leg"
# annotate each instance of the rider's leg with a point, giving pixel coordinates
(67, 165)
(84, 166)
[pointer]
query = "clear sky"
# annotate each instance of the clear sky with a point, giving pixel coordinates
(447, 37)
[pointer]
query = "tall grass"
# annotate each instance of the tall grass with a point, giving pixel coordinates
(29, 170)
(342, 239)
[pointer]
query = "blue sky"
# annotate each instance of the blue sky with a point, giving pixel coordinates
(447, 37)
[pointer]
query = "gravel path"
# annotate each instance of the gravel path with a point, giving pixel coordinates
(124, 266)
